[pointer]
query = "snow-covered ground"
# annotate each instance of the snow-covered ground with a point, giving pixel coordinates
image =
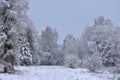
(53, 73)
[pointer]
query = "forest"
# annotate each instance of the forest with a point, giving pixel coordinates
(20, 44)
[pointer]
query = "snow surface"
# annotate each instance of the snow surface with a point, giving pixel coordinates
(53, 73)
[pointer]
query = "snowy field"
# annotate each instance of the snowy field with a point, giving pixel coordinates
(53, 73)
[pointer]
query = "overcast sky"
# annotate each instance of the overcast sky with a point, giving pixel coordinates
(72, 16)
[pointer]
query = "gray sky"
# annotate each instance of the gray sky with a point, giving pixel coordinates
(72, 16)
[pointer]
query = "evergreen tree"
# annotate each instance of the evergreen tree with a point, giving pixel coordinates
(13, 27)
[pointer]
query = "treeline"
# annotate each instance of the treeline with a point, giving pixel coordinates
(20, 44)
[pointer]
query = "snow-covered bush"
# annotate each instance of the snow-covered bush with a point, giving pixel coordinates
(94, 63)
(56, 58)
(71, 61)
(45, 58)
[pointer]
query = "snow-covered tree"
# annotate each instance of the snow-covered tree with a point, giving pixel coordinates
(68, 44)
(25, 52)
(48, 43)
(15, 33)
(26, 33)
(8, 20)
(29, 40)
(104, 38)
(49, 39)
(81, 48)
(33, 39)
(70, 51)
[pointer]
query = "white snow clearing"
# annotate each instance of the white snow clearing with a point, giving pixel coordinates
(53, 73)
